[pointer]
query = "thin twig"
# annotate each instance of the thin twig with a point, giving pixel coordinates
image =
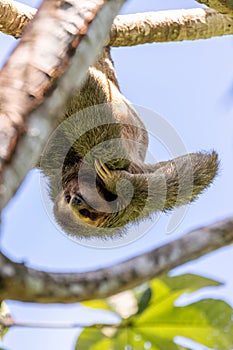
(51, 325)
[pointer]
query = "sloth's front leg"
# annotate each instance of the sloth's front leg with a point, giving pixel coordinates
(113, 180)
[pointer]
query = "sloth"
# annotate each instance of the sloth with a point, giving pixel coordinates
(95, 162)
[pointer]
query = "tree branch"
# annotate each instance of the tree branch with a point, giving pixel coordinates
(167, 26)
(141, 28)
(14, 16)
(222, 6)
(31, 74)
(22, 283)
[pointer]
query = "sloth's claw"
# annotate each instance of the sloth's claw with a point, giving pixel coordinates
(102, 170)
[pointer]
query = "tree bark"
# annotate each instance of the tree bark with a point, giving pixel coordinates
(222, 6)
(14, 16)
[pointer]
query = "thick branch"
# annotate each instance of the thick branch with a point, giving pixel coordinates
(142, 28)
(26, 284)
(166, 26)
(222, 6)
(31, 74)
(14, 16)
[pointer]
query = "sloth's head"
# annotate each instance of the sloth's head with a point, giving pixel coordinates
(84, 207)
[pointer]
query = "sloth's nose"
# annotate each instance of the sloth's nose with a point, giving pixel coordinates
(76, 200)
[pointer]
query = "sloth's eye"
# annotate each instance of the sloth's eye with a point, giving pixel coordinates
(67, 198)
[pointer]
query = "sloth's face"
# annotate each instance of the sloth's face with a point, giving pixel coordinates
(80, 207)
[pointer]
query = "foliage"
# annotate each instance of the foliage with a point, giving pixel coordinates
(157, 320)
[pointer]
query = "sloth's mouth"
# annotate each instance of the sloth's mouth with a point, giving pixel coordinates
(88, 214)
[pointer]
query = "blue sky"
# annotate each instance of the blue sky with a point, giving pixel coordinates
(188, 84)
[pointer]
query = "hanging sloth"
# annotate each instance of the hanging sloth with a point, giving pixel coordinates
(98, 179)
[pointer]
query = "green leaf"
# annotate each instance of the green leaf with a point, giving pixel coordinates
(207, 321)
(143, 302)
(143, 296)
(92, 339)
(187, 283)
(158, 321)
(97, 304)
(126, 338)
